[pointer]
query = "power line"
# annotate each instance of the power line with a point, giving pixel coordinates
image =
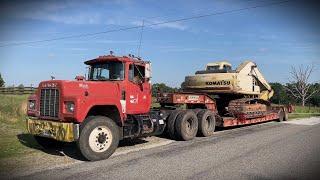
(150, 25)
(217, 13)
(73, 36)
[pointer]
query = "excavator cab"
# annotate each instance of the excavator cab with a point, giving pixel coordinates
(217, 67)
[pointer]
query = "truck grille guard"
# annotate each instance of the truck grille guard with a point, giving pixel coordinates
(49, 103)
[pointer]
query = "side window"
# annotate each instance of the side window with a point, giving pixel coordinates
(136, 73)
(227, 68)
(131, 73)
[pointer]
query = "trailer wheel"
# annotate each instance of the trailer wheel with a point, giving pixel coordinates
(281, 115)
(207, 123)
(171, 123)
(186, 125)
(99, 138)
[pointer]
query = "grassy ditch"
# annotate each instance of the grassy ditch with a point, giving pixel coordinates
(12, 126)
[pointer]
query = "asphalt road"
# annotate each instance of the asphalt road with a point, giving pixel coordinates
(264, 151)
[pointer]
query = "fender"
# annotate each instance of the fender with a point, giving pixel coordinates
(85, 106)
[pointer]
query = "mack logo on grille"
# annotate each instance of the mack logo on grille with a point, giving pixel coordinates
(49, 102)
(49, 85)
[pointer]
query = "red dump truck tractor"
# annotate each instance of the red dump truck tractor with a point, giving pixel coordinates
(114, 103)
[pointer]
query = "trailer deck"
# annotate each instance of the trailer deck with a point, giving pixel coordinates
(204, 101)
(231, 121)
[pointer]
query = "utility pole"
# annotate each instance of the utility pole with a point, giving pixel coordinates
(140, 41)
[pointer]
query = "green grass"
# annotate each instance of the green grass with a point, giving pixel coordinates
(13, 138)
(306, 109)
(296, 116)
(304, 112)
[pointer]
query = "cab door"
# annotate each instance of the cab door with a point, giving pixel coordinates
(138, 94)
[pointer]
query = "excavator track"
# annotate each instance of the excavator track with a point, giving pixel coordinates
(247, 108)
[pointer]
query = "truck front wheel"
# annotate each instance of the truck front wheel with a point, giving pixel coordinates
(99, 138)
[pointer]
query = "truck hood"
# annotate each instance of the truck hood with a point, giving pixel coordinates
(79, 89)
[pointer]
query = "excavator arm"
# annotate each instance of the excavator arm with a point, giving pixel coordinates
(266, 92)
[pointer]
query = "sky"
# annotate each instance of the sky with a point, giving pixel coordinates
(275, 37)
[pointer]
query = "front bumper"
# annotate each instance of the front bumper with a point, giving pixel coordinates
(60, 131)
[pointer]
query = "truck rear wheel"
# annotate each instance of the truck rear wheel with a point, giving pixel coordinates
(186, 125)
(207, 123)
(99, 138)
(171, 123)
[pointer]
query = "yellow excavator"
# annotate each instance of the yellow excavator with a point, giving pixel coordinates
(243, 90)
(219, 78)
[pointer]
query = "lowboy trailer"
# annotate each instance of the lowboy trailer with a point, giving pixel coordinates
(198, 102)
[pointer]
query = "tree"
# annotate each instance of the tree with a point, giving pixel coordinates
(280, 96)
(1, 81)
(21, 86)
(315, 99)
(300, 86)
(162, 88)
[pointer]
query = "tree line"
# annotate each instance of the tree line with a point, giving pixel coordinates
(283, 96)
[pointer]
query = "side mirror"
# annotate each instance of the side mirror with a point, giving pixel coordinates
(147, 72)
(147, 79)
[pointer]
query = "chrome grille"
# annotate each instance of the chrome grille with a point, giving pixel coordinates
(49, 102)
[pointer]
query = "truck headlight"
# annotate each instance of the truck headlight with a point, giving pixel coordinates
(32, 104)
(70, 106)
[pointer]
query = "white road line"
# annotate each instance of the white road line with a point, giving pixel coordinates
(305, 121)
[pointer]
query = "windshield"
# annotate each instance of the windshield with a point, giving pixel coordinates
(212, 68)
(107, 71)
(215, 68)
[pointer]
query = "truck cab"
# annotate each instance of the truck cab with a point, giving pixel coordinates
(132, 76)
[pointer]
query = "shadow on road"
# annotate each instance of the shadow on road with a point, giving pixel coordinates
(68, 149)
